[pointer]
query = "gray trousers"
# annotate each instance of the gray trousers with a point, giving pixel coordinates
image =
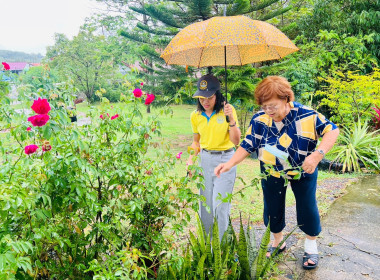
(214, 186)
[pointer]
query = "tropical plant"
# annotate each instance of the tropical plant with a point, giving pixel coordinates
(356, 146)
(302, 78)
(356, 17)
(241, 82)
(364, 19)
(332, 51)
(206, 257)
(209, 258)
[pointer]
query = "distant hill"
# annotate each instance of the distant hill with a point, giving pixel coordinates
(11, 56)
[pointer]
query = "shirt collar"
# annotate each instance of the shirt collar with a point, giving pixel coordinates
(208, 117)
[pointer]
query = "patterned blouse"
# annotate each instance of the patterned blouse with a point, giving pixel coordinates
(287, 143)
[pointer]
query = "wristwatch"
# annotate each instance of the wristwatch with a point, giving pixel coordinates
(321, 152)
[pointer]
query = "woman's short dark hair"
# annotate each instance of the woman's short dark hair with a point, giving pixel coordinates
(219, 103)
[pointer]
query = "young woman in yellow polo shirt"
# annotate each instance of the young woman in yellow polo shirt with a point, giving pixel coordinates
(215, 139)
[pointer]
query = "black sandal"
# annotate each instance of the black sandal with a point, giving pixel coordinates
(272, 249)
(313, 257)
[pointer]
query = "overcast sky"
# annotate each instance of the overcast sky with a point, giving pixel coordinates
(29, 25)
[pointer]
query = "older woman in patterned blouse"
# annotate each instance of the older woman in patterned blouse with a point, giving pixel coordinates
(285, 135)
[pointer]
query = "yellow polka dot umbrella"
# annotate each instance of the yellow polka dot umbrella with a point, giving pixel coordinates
(220, 41)
(233, 40)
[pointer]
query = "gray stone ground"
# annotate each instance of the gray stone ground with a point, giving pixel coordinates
(82, 119)
(349, 244)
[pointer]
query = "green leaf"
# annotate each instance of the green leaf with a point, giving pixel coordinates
(201, 232)
(242, 253)
(216, 249)
(263, 251)
(200, 266)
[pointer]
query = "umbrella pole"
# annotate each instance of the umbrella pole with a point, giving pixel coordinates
(225, 77)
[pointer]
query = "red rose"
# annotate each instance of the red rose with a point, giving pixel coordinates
(102, 117)
(149, 99)
(41, 106)
(114, 117)
(137, 92)
(6, 66)
(39, 120)
(29, 129)
(30, 149)
(142, 83)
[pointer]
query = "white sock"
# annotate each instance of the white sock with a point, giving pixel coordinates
(311, 246)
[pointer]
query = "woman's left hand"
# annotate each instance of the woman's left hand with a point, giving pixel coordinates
(311, 162)
(228, 111)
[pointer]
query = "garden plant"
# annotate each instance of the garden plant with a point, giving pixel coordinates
(87, 202)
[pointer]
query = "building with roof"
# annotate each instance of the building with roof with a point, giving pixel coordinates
(18, 67)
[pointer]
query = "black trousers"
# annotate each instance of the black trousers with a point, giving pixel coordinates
(304, 191)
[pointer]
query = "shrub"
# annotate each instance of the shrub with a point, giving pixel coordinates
(89, 196)
(357, 146)
(350, 96)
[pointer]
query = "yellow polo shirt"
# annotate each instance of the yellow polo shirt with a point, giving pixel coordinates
(214, 130)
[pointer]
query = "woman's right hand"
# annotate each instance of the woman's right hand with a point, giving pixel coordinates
(189, 162)
(221, 168)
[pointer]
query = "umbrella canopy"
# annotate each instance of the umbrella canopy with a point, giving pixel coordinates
(220, 41)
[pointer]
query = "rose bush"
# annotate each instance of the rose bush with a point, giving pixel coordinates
(92, 201)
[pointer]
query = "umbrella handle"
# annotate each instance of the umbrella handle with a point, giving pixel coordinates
(227, 117)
